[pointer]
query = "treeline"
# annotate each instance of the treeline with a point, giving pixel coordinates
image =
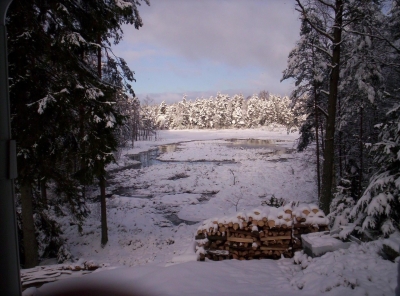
(67, 92)
(222, 112)
(346, 67)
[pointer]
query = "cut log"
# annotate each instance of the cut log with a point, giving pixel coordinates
(268, 238)
(240, 240)
(216, 237)
(239, 231)
(271, 223)
(260, 223)
(262, 248)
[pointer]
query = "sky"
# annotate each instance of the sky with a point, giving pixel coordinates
(199, 48)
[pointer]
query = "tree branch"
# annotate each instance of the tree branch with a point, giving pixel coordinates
(304, 13)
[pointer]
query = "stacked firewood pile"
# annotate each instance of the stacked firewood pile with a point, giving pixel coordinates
(262, 233)
(39, 275)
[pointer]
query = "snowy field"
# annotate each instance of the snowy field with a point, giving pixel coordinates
(153, 213)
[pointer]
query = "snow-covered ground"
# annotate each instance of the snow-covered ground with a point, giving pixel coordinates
(152, 215)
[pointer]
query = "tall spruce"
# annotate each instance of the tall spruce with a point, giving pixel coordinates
(347, 26)
(307, 65)
(63, 112)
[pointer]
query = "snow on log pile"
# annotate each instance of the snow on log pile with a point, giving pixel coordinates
(261, 233)
(39, 275)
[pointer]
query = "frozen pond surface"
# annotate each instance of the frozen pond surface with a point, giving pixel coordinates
(275, 146)
(151, 157)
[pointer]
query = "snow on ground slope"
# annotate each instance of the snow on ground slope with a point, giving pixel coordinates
(355, 271)
(152, 215)
(148, 205)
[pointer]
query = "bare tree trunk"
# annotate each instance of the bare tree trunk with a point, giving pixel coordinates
(28, 227)
(102, 180)
(104, 229)
(316, 126)
(329, 153)
(99, 56)
(340, 154)
(340, 144)
(361, 153)
(82, 146)
(43, 191)
(322, 136)
(317, 141)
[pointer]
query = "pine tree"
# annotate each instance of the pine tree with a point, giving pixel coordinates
(63, 111)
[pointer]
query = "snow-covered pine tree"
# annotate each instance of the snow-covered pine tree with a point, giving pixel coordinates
(57, 99)
(379, 206)
(307, 65)
(344, 24)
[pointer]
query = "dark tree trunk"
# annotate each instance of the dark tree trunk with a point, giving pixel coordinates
(317, 141)
(340, 154)
(99, 57)
(43, 191)
(104, 229)
(102, 180)
(322, 137)
(361, 153)
(340, 144)
(316, 126)
(82, 146)
(327, 174)
(28, 227)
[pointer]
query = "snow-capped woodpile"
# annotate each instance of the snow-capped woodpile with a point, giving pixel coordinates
(267, 232)
(39, 275)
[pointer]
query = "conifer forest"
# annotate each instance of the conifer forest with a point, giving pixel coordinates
(75, 116)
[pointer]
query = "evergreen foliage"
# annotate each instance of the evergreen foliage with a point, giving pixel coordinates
(64, 81)
(222, 112)
(379, 207)
(368, 62)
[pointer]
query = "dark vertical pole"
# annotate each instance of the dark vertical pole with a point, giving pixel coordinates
(102, 180)
(104, 228)
(329, 152)
(10, 283)
(361, 152)
(316, 125)
(340, 141)
(317, 140)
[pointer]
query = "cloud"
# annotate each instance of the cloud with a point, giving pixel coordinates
(199, 38)
(239, 33)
